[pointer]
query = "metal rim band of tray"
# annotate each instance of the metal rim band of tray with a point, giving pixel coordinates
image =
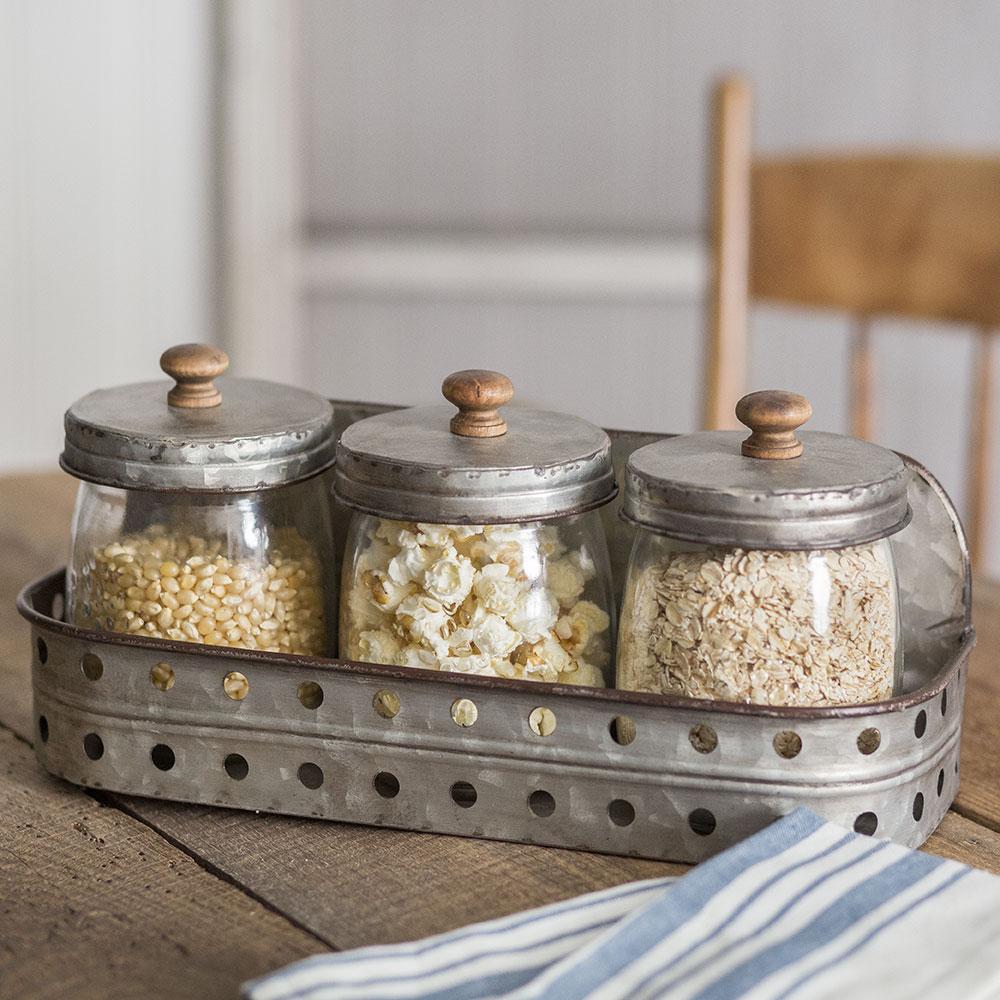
(621, 772)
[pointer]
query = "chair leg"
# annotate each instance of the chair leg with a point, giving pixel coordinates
(725, 372)
(862, 375)
(982, 418)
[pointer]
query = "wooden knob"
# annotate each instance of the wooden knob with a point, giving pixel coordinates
(193, 366)
(477, 394)
(773, 416)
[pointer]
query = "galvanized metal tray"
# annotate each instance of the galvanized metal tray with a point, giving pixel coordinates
(600, 770)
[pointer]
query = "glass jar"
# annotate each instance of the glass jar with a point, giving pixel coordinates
(763, 570)
(476, 544)
(203, 523)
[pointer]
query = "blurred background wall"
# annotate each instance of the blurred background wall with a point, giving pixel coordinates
(362, 196)
(106, 219)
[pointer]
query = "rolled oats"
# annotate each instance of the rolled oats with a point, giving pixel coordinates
(764, 626)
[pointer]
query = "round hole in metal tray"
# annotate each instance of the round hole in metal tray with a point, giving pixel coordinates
(43, 729)
(161, 676)
(310, 774)
(235, 685)
(386, 784)
(944, 701)
(236, 766)
(702, 822)
(386, 704)
(621, 812)
(918, 806)
(920, 724)
(623, 730)
(464, 712)
(869, 740)
(541, 803)
(866, 823)
(703, 738)
(43, 650)
(787, 744)
(92, 666)
(542, 721)
(940, 781)
(463, 794)
(93, 746)
(310, 695)
(163, 757)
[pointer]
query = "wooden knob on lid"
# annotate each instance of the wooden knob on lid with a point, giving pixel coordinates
(477, 394)
(193, 366)
(773, 416)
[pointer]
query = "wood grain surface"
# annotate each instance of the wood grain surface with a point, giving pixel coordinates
(95, 904)
(159, 899)
(979, 792)
(355, 885)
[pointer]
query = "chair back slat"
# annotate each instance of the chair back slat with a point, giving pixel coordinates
(904, 234)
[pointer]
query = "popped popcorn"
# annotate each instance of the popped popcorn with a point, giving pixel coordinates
(576, 628)
(535, 615)
(499, 600)
(410, 565)
(424, 620)
(565, 581)
(497, 590)
(379, 645)
(386, 593)
(449, 579)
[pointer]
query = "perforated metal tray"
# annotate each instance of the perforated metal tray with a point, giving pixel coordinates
(621, 772)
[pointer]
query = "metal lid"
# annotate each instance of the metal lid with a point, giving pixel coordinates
(771, 489)
(431, 464)
(241, 436)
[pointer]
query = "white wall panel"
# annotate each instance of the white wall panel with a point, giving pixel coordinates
(105, 180)
(620, 365)
(592, 113)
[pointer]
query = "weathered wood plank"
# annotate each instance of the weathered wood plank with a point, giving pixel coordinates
(354, 885)
(964, 840)
(94, 904)
(979, 792)
(35, 514)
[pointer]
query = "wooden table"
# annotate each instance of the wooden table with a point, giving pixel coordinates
(110, 896)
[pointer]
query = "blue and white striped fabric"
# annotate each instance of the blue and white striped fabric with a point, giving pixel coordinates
(803, 909)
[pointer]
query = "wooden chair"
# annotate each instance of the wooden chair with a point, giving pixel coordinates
(896, 234)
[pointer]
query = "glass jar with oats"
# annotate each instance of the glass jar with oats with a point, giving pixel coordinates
(762, 570)
(203, 514)
(476, 545)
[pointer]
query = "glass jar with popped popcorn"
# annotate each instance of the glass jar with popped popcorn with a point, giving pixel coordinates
(763, 570)
(476, 545)
(203, 513)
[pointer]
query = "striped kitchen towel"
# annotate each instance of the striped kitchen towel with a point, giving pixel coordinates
(803, 909)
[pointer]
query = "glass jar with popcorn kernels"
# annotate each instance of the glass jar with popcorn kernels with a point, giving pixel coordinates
(476, 545)
(203, 514)
(762, 571)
